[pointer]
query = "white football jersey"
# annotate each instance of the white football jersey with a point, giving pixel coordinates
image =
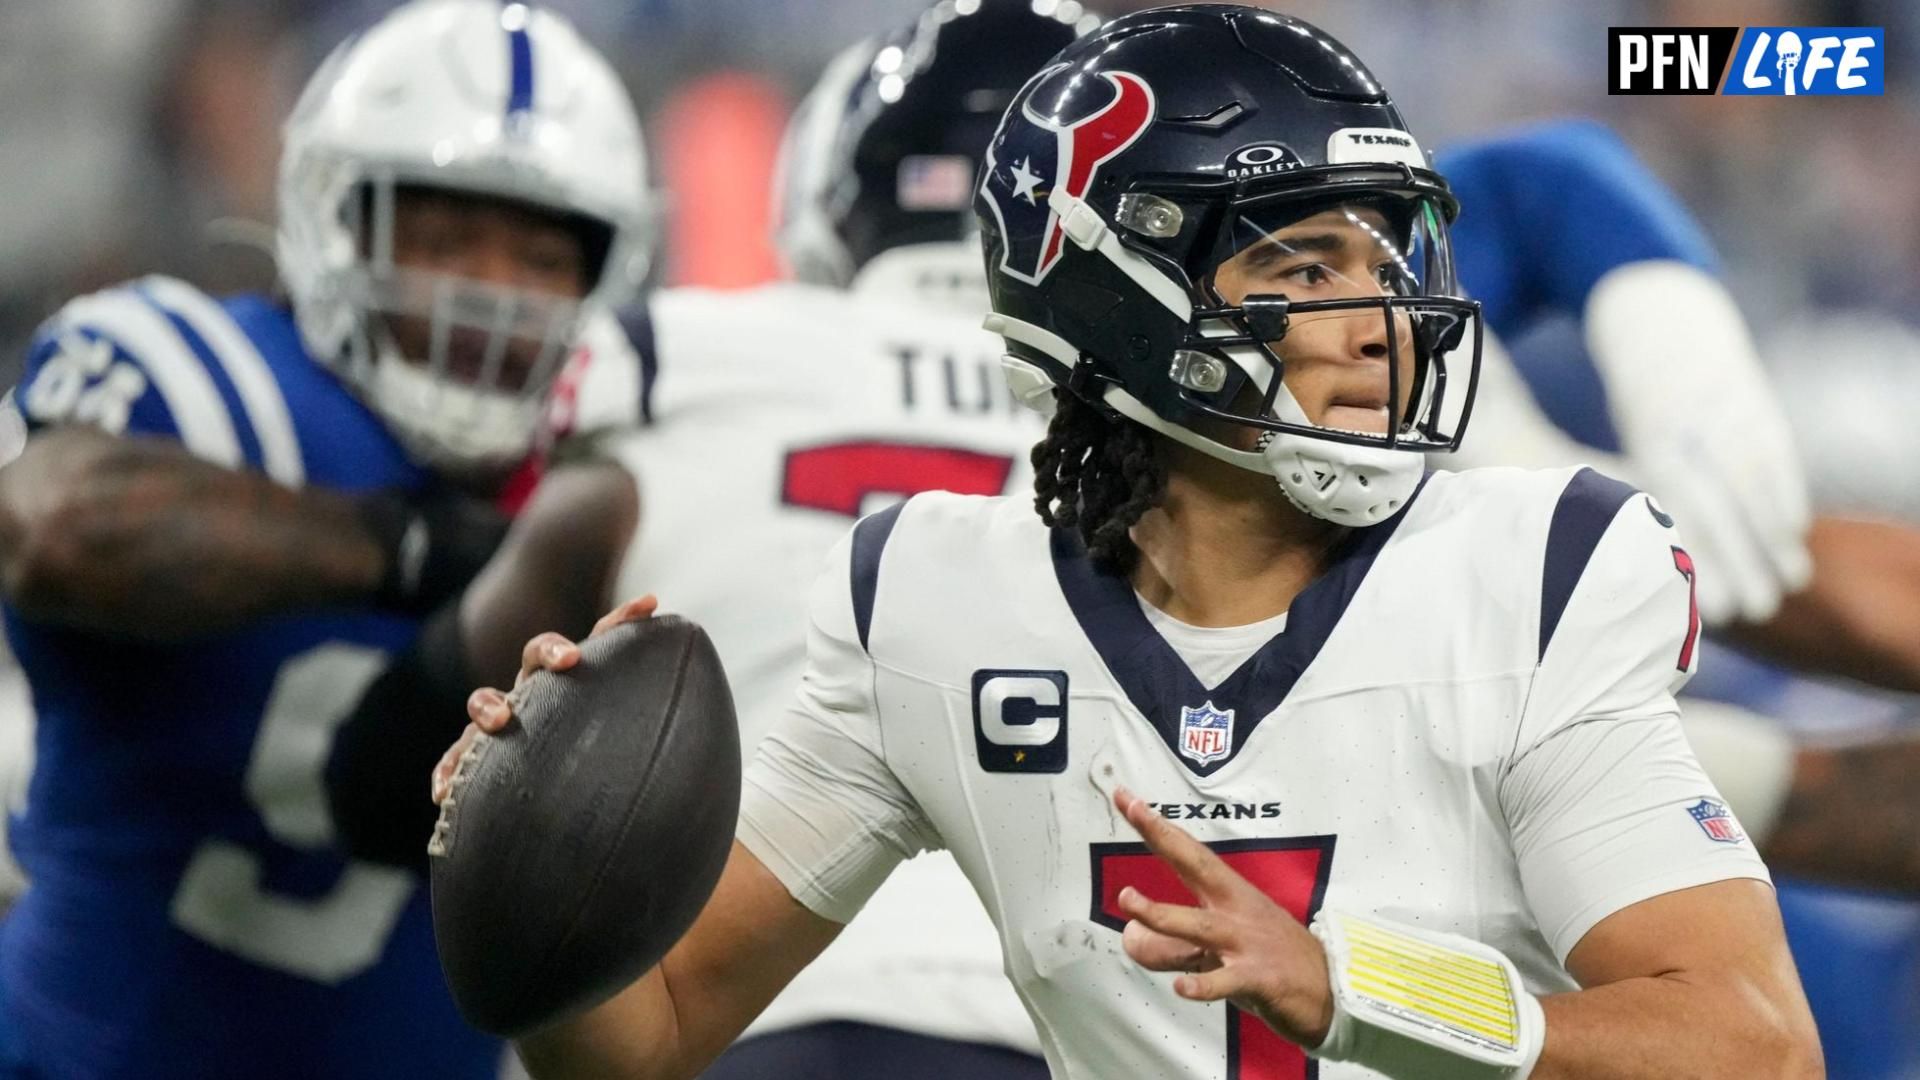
(1467, 723)
(776, 417)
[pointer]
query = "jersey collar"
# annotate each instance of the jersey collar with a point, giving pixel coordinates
(1159, 683)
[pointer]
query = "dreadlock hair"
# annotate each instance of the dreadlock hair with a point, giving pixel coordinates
(1097, 474)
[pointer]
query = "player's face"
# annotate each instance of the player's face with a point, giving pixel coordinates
(499, 245)
(1335, 361)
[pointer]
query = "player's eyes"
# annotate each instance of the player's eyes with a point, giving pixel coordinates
(1310, 275)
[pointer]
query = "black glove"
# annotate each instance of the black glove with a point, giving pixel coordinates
(436, 543)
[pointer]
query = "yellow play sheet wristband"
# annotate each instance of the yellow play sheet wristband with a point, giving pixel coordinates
(1416, 1003)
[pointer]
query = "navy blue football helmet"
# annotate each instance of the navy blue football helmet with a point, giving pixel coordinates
(883, 152)
(1148, 153)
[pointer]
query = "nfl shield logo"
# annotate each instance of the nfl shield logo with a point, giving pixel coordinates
(1206, 733)
(1716, 821)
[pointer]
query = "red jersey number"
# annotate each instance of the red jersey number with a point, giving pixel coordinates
(1292, 871)
(1683, 562)
(838, 477)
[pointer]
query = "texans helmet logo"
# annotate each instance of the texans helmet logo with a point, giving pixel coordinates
(1031, 156)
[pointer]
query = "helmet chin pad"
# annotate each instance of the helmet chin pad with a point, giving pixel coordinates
(444, 424)
(1334, 481)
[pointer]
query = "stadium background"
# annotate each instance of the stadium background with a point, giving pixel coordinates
(141, 135)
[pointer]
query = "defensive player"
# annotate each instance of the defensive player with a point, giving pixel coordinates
(1635, 272)
(1430, 714)
(886, 386)
(231, 512)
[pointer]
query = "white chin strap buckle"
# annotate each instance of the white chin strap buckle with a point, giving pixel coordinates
(1410, 1002)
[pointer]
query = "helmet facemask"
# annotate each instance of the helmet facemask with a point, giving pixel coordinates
(1229, 365)
(1225, 389)
(460, 368)
(507, 106)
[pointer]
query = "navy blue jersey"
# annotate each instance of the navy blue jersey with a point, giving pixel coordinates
(186, 916)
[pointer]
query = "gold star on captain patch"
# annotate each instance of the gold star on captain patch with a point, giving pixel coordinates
(1019, 756)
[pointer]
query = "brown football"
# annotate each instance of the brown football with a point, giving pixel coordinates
(578, 845)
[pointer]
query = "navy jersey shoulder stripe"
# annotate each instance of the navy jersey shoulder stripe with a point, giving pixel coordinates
(869, 541)
(638, 324)
(1587, 506)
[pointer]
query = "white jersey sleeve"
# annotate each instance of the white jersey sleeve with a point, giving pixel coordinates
(1606, 802)
(820, 807)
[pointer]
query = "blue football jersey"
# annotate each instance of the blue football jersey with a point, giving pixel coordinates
(1546, 212)
(187, 916)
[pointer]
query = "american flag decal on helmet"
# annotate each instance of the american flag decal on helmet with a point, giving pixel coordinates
(1032, 155)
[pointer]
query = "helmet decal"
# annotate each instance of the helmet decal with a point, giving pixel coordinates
(1031, 156)
(513, 19)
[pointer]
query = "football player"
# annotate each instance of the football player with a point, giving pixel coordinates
(886, 386)
(1700, 423)
(1429, 715)
(232, 512)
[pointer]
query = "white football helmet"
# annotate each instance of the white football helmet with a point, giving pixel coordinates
(473, 97)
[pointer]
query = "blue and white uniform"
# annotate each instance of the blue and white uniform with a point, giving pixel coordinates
(186, 916)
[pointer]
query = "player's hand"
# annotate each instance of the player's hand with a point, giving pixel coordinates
(490, 711)
(434, 544)
(1702, 430)
(1237, 945)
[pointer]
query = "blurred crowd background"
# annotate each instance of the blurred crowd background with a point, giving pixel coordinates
(141, 136)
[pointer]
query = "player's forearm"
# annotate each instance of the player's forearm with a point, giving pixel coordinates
(135, 538)
(1859, 616)
(1852, 817)
(1676, 1025)
(631, 1037)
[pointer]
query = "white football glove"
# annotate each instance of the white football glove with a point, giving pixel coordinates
(1701, 429)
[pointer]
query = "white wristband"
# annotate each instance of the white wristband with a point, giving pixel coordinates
(1410, 1003)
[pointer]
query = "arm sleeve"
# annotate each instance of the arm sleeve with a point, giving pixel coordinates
(120, 362)
(1604, 800)
(820, 805)
(376, 771)
(1549, 210)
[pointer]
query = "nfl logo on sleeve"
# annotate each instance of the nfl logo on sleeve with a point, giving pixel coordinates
(1716, 821)
(1206, 733)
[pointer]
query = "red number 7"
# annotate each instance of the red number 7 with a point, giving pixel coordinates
(1293, 871)
(1683, 562)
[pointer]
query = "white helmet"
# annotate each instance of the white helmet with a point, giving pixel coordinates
(472, 97)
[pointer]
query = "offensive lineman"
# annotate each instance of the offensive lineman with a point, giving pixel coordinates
(1432, 715)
